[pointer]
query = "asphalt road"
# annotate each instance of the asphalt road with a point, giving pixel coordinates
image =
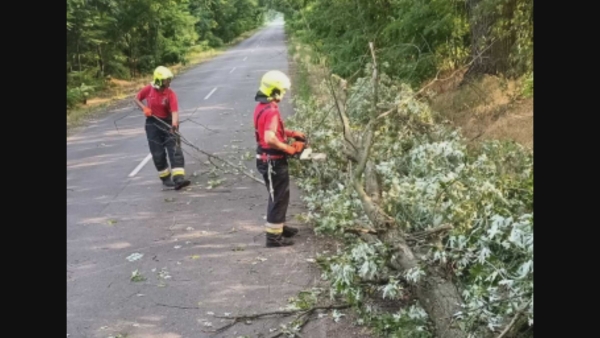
(203, 249)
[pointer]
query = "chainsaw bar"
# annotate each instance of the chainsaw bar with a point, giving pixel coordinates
(307, 154)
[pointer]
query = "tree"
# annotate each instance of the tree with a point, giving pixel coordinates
(502, 36)
(424, 219)
(129, 38)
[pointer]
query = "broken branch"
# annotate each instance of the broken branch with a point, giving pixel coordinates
(386, 113)
(241, 318)
(188, 143)
(429, 232)
(436, 79)
(200, 124)
(343, 117)
(359, 231)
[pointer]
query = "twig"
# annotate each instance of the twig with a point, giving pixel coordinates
(386, 113)
(477, 136)
(350, 78)
(120, 118)
(278, 334)
(188, 143)
(241, 318)
(200, 124)
(305, 318)
(178, 307)
(343, 117)
(303, 322)
(360, 231)
(431, 231)
(427, 43)
(214, 164)
(436, 79)
(259, 315)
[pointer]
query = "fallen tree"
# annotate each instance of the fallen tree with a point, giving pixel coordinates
(424, 218)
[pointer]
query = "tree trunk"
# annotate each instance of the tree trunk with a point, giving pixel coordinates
(489, 51)
(130, 58)
(100, 63)
(441, 300)
(438, 296)
(78, 56)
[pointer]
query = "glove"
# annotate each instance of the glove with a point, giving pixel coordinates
(299, 136)
(294, 148)
(147, 111)
(290, 150)
(298, 147)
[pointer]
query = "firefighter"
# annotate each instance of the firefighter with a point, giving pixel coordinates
(161, 103)
(271, 155)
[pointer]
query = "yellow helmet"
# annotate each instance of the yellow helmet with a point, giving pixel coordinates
(274, 80)
(161, 73)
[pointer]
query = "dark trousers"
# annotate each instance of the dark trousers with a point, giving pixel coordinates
(162, 142)
(277, 207)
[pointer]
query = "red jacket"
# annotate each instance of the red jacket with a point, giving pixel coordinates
(162, 103)
(267, 117)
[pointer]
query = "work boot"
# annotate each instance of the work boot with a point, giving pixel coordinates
(167, 181)
(289, 231)
(180, 182)
(274, 241)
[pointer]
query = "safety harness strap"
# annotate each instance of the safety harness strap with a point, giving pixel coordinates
(258, 118)
(256, 121)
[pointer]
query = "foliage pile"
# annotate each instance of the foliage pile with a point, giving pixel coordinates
(467, 215)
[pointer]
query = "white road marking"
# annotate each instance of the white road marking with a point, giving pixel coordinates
(245, 58)
(231, 71)
(141, 165)
(211, 92)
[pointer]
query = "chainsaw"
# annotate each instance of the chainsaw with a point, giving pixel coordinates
(307, 154)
